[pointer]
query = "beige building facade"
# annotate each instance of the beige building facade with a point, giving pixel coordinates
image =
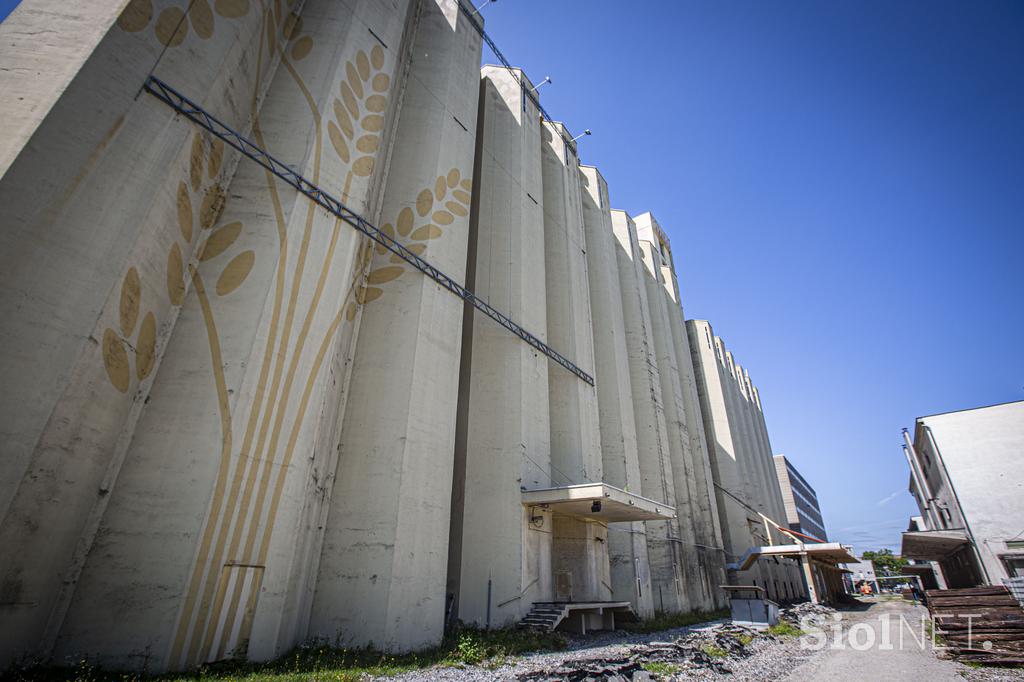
(237, 419)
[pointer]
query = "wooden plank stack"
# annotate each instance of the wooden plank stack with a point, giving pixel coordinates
(994, 632)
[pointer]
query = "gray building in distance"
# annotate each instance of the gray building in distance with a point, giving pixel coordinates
(802, 511)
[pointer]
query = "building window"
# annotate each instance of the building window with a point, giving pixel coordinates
(1014, 565)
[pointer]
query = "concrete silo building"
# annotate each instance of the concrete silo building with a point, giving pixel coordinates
(313, 329)
(746, 485)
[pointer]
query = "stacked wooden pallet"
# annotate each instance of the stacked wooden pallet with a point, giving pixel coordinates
(979, 624)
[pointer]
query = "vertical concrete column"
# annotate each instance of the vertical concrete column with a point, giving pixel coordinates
(763, 481)
(648, 412)
(808, 575)
(696, 590)
(761, 433)
(741, 437)
(707, 523)
(762, 450)
(575, 434)
(384, 561)
(722, 449)
(789, 570)
(500, 559)
(752, 494)
(707, 532)
(630, 576)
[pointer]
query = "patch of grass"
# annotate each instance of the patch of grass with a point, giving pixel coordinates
(661, 668)
(745, 640)
(322, 663)
(668, 621)
(714, 651)
(936, 639)
(784, 629)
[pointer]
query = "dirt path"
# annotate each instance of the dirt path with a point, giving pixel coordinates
(882, 642)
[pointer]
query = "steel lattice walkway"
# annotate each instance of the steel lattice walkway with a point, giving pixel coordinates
(204, 119)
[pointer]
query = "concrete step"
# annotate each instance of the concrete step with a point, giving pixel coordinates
(544, 617)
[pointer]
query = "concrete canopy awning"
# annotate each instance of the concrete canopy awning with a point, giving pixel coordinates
(827, 552)
(599, 502)
(932, 545)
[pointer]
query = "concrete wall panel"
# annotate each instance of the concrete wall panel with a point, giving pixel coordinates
(649, 416)
(499, 565)
(630, 577)
(386, 550)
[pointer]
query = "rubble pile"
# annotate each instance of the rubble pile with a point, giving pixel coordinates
(705, 649)
(815, 613)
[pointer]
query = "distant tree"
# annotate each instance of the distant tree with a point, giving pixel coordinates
(886, 563)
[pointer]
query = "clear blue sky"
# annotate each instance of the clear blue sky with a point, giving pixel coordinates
(843, 185)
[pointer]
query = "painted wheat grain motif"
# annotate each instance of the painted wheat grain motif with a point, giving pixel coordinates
(119, 346)
(436, 209)
(205, 161)
(358, 109)
(172, 25)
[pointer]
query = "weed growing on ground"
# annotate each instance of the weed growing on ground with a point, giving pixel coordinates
(714, 651)
(785, 629)
(660, 668)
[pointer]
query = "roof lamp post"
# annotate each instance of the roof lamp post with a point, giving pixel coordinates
(476, 10)
(535, 88)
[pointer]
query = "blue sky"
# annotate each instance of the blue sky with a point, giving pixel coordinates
(843, 185)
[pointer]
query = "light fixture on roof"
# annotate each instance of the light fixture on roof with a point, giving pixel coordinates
(585, 132)
(535, 88)
(476, 10)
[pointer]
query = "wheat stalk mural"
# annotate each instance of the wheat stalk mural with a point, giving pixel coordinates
(414, 229)
(247, 491)
(118, 348)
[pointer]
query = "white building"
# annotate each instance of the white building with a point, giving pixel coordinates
(967, 477)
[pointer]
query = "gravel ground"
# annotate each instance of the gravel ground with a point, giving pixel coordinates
(598, 645)
(771, 658)
(990, 674)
